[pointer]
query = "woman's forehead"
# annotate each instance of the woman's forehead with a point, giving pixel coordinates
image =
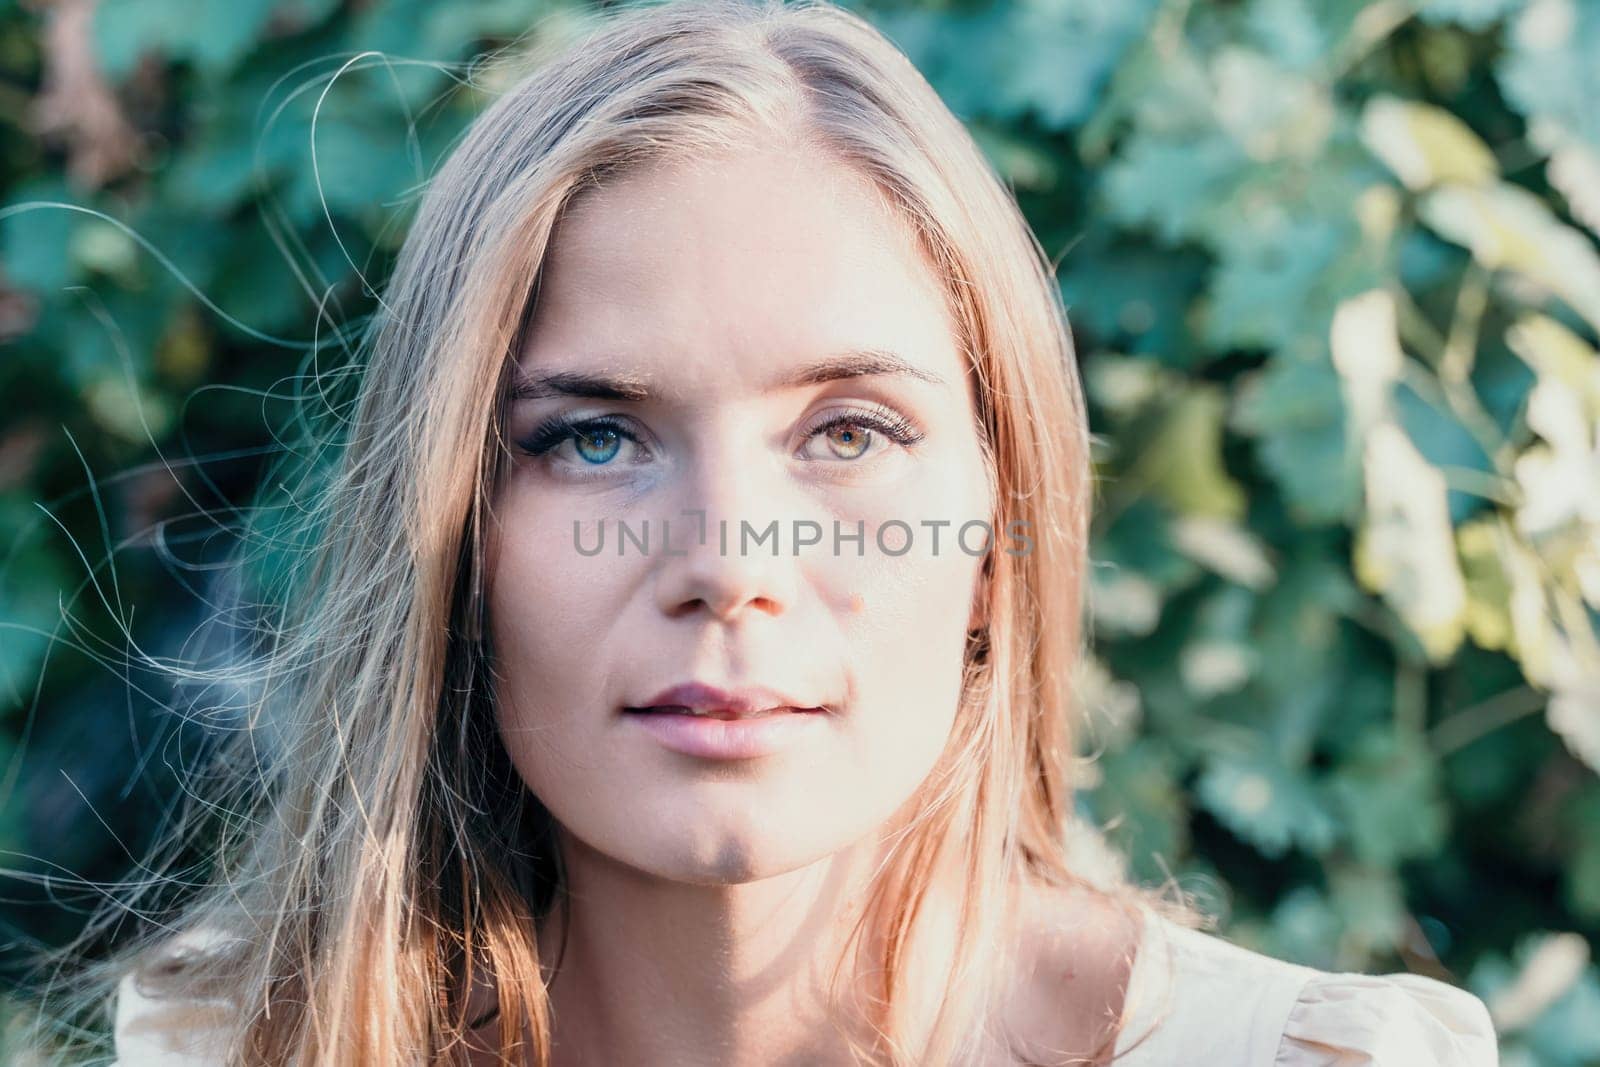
(760, 255)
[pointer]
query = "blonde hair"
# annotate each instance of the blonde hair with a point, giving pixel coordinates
(387, 841)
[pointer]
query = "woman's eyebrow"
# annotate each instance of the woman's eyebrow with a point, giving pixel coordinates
(525, 386)
(856, 363)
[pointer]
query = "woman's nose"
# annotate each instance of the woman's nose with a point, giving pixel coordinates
(731, 550)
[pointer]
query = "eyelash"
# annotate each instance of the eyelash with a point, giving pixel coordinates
(893, 425)
(563, 427)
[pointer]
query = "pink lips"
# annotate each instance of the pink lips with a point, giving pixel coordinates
(735, 727)
(734, 703)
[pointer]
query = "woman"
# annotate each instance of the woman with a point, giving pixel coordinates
(681, 669)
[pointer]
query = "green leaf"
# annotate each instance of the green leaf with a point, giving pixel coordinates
(1138, 797)
(1473, 14)
(1549, 72)
(1174, 186)
(1370, 903)
(1295, 33)
(1133, 297)
(31, 586)
(1582, 818)
(1388, 791)
(1294, 410)
(1305, 929)
(37, 240)
(358, 168)
(1139, 541)
(1441, 439)
(1044, 58)
(1270, 805)
(214, 35)
(1263, 292)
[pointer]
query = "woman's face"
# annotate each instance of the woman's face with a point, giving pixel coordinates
(729, 305)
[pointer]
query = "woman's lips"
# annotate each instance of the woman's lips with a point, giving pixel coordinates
(714, 713)
(707, 697)
(728, 735)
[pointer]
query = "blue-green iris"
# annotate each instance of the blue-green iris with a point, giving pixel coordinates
(600, 437)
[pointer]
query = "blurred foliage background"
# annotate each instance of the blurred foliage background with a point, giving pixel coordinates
(1333, 272)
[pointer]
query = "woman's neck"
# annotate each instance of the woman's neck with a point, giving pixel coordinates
(659, 971)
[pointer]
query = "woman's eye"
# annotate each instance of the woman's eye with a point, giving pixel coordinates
(595, 442)
(853, 436)
(848, 436)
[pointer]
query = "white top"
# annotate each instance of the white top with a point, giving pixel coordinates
(1227, 1007)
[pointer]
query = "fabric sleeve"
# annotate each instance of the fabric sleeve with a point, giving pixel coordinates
(157, 1032)
(1391, 1020)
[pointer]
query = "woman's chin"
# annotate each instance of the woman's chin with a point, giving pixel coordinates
(725, 852)
(733, 857)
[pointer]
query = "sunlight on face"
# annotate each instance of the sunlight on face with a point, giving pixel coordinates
(701, 291)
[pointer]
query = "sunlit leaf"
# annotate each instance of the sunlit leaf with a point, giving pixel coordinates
(1574, 715)
(1560, 480)
(1268, 110)
(1225, 547)
(1488, 617)
(1405, 548)
(1123, 385)
(1508, 228)
(1365, 343)
(1534, 634)
(1425, 145)
(1184, 461)
(1122, 602)
(1111, 706)
(1212, 666)
(1551, 965)
(132, 413)
(1574, 169)
(1558, 354)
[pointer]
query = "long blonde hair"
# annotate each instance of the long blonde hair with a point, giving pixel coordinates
(372, 837)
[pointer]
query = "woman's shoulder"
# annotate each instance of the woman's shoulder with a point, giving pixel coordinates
(157, 1027)
(1195, 997)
